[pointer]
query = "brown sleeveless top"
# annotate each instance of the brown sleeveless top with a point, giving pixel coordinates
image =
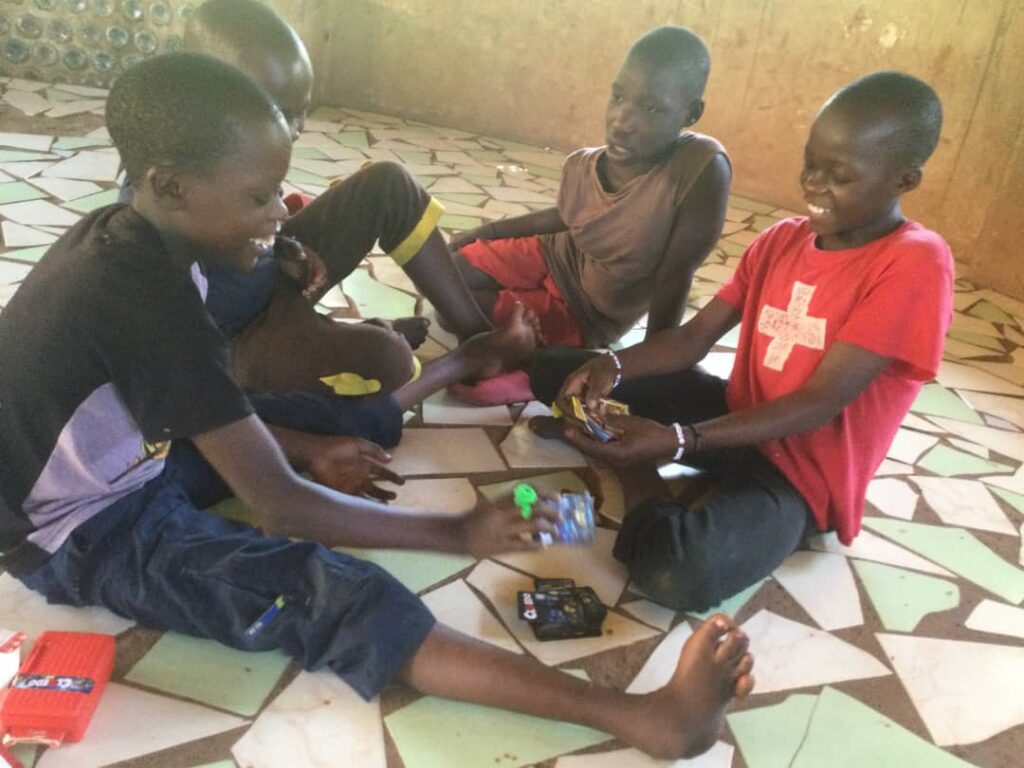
(606, 263)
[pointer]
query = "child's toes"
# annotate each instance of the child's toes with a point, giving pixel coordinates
(733, 646)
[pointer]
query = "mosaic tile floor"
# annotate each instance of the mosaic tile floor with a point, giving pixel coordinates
(904, 651)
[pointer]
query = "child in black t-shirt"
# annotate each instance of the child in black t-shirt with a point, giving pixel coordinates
(99, 509)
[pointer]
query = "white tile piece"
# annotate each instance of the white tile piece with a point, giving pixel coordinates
(1009, 408)
(719, 364)
(30, 86)
(453, 184)
(318, 721)
(129, 723)
(447, 340)
(913, 421)
(13, 273)
(19, 236)
(999, 440)
(386, 271)
(822, 583)
(522, 448)
(662, 663)
(26, 611)
(75, 107)
(457, 606)
(30, 141)
(446, 496)
(38, 212)
(868, 546)
(908, 445)
(892, 497)
(962, 322)
(966, 503)
(889, 467)
(793, 655)
(26, 102)
(515, 195)
(500, 585)
(959, 376)
(26, 170)
(612, 497)
(649, 613)
(90, 165)
(719, 756)
(445, 452)
(975, 696)
(968, 447)
(1014, 482)
(442, 408)
(592, 565)
(6, 292)
(85, 90)
(66, 189)
(997, 618)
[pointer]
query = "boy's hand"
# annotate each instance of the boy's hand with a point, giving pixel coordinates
(460, 239)
(302, 264)
(491, 529)
(354, 466)
(642, 441)
(590, 382)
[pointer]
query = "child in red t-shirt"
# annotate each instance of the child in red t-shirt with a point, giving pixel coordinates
(844, 313)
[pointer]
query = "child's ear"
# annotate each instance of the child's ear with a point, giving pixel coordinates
(694, 113)
(166, 186)
(910, 178)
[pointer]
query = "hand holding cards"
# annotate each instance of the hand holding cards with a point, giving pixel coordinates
(593, 421)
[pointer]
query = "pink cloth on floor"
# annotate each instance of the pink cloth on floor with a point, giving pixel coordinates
(505, 388)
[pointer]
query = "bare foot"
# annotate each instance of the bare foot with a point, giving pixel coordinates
(414, 329)
(684, 718)
(533, 320)
(501, 349)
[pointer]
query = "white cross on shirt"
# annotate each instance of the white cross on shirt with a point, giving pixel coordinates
(791, 327)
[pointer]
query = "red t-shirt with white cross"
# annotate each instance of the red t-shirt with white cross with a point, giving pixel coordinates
(892, 297)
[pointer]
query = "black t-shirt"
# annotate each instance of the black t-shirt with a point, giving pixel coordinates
(107, 354)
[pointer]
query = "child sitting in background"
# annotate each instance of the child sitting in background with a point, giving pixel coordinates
(635, 218)
(844, 315)
(97, 509)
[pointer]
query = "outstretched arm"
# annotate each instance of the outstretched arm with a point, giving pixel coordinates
(545, 222)
(694, 233)
(254, 466)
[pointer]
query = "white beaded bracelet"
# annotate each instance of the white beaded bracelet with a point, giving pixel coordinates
(618, 367)
(680, 441)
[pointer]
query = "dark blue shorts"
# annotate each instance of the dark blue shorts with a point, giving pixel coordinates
(156, 558)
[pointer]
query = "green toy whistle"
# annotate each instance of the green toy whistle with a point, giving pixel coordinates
(524, 497)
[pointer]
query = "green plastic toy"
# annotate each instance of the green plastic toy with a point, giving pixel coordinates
(525, 497)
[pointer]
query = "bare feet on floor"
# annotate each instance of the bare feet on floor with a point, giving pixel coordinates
(685, 718)
(504, 348)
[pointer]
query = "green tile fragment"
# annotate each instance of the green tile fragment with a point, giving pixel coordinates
(416, 570)
(376, 299)
(986, 310)
(1014, 499)
(32, 255)
(769, 737)
(949, 462)
(902, 598)
(451, 221)
(19, 155)
(485, 157)
(80, 142)
(844, 733)
(309, 153)
(413, 156)
(466, 198)
(91, 202)
(479, 179)
(732, 605)
(299, 176)
(26, 754)
(548, 173)
(936, 400)
(437, 733)
(351, 139)
(956, 550)
(210, 673)
(730, 248)
(19, 191)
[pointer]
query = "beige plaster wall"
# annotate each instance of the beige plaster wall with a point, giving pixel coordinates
(539, 71)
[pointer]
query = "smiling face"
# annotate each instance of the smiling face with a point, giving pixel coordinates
(851, 181)
(230, 213)
(647, 109)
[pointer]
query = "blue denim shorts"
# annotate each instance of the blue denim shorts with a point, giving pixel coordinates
(156, 558)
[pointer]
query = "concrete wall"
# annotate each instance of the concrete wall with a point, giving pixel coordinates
(539, 71)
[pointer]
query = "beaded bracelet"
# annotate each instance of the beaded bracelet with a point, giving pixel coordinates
(618, 367)
(680, 441)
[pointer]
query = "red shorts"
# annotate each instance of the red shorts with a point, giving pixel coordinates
(517, 265)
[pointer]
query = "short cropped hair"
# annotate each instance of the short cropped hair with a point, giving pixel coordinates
(909, 105)
(183, 110)
(677, 48)
(237, 30)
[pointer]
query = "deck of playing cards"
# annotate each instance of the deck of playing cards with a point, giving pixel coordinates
(594, 423)
(559, 610)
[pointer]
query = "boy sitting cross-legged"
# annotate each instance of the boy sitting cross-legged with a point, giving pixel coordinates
(97, 507)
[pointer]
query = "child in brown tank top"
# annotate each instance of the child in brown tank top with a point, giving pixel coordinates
(634, 219)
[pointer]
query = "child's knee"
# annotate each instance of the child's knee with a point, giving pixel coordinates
(393, 364)
(392, 180)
